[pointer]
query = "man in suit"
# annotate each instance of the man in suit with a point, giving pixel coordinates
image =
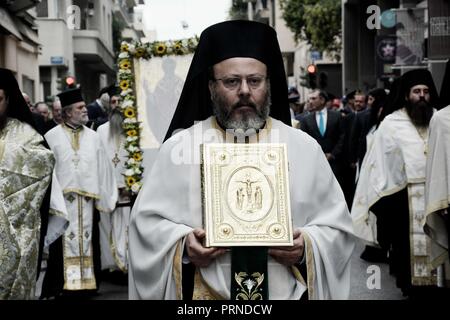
(325, 126)
(99, 109)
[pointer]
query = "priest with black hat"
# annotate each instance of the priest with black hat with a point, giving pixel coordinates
(87, 181)
(390, 194)
(236, 91)
(26, 167)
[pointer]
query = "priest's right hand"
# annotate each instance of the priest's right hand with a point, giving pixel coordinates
(199, 255)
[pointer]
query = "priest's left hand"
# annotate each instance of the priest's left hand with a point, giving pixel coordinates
(289, 256)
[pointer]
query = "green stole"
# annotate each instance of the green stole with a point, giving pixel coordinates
(249, 277)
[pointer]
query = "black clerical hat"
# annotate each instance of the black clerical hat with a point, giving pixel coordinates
(70, 96)
(230, 39)
(17, 107)
(416, 77)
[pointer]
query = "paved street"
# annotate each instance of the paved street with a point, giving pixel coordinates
(359, 276)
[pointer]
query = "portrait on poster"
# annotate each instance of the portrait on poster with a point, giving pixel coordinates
(159, 82)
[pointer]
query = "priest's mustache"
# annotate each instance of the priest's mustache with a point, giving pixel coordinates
(244, 103)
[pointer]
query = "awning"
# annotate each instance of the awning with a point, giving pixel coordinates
(8, 23)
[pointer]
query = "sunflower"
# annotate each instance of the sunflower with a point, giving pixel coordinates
(130, 181)
(177, 47)
(140, 52)
(124, 84)
(137, 156)
(129, 112)
(161, 49)
(124, 47)
(132, 133)
(125, 64)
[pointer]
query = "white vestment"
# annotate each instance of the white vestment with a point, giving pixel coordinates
(396, 160)
(114, 226)
(437, 187)
(86, 179)
(169, 207)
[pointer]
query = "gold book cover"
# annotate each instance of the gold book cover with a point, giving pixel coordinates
(245, 195)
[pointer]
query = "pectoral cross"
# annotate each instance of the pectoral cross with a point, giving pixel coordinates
(76, 161)
(116, 160)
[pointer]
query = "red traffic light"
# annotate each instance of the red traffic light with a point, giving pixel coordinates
(312, 68)
(70, 81)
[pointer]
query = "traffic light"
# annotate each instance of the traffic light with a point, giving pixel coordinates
(70, 82)
(312, 76)
(65, 83)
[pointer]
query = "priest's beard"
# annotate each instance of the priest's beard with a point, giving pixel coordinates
(115, 123)
(420, 112)
(246, 122)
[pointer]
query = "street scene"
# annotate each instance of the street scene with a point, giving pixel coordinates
(224, 150)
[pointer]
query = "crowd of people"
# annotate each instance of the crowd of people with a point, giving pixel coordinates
(378, 145)
(373, 165)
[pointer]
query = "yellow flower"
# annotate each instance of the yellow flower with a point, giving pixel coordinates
(140, 52)
(161, 49)
(137, 156)
(124, 47)
(129, 112)
(125, 64)
(124, 84)
(132, 133)
(130, 181)
(177, 47)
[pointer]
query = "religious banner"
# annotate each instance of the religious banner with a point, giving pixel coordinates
(151, 77)
(410, 32)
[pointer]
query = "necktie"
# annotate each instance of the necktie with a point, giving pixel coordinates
(321, 124)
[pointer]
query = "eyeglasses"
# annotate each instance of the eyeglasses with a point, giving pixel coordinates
(232, 83)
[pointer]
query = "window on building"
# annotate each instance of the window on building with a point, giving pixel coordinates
(42, 9)
(28, 87)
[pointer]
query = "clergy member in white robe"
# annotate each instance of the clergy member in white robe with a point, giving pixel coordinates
(437, 193)
(395, 162)
(114, 226)
(87, 180)
(166, 219)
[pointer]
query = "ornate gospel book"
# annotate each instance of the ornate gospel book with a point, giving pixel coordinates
(245, 195)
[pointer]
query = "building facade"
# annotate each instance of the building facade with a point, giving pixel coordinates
(80, 38)
(19, 44)
(384, 39)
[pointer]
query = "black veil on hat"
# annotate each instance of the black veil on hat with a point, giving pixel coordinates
(394, 100)
(70, 96)
(230, 39)
(17, 106)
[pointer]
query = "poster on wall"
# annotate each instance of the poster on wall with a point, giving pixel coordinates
(439, 34)
(410, 33)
